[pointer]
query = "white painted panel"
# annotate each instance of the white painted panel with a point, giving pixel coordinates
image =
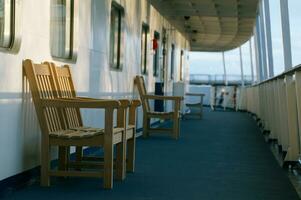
(19, 135)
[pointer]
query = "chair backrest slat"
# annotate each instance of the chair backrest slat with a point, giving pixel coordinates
(43, 86)
(48, 92)
(139, 81)
(66, 89)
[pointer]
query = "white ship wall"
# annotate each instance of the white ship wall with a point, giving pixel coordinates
(19, 133)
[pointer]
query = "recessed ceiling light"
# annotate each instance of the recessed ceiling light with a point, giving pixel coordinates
(186, 18)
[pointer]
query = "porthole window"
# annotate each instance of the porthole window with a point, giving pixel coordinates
(144, 48)
(10, 25)
(117, 37)
(63, 29)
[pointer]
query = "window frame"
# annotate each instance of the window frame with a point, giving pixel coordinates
(144, 48)
(13, 25)
(172, 61)
(120, 13)
(71, 32)
(181, 65)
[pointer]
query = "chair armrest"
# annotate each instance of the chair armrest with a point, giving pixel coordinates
(135, 103)
(123, 102)
(195, 94)
(158, 97)
(80, 103)
(121, 111)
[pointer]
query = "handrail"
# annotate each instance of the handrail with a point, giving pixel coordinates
(219, 79)
(283, 74)
(276, 104)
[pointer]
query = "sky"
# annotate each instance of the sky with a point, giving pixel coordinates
(211, 63)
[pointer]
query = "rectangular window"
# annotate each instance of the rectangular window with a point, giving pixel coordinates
(6, 23)
(172, 62)
(116, 37)
(181, 65)
(62, 29)
(156, 53)
(144, 48)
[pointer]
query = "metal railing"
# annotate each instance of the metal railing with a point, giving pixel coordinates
(219, 79)
(276, 103)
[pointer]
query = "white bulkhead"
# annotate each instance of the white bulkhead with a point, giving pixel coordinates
(19, 133)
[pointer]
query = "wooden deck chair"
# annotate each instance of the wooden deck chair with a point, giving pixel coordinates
(198, 105)
(66, 89)
(148, 114)
(52, 122)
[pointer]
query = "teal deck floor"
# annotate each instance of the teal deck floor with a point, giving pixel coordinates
(223, 156)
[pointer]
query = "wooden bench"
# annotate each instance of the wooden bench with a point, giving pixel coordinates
(52, 115)
(148, 114)
(66, 89)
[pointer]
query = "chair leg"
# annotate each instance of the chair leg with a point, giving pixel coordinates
(146, 124)
(108, 164)
(201, 113)
(78, 153)
(63, 158)
(176, 132)
(121, 159)
(131, 154)
(45, 165)
(178, 129)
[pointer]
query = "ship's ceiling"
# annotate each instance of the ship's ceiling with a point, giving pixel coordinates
(211, 25)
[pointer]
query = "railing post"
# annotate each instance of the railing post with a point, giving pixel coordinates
(241, 68)
(268, 37)
(292, 118)
(298, 99)
(251, 59)
(262, 35)
(287, 51)
(258, 48)
(225, 71)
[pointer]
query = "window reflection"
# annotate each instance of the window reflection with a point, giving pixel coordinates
(144, 48)
(6, 21)
(172, 62)
(62, 28)
(181, 65)
(116, 37)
